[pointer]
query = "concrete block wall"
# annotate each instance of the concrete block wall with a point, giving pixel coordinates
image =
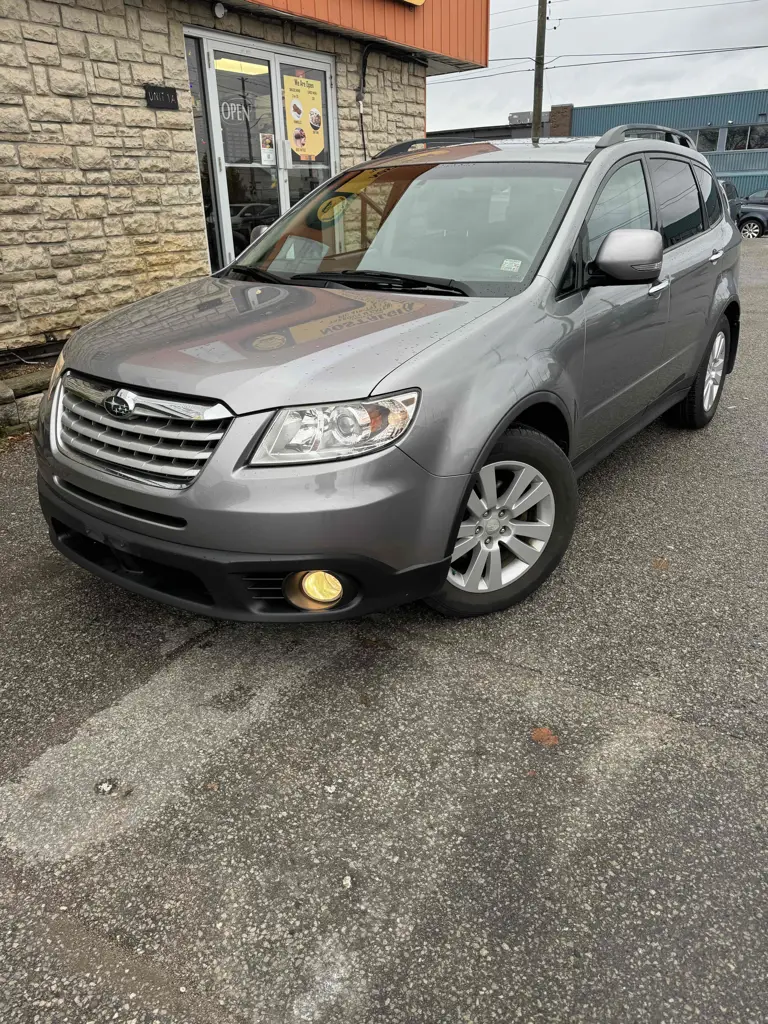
(100, 199)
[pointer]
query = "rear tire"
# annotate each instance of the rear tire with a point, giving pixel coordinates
(700, 404)
(516, 526)
(751, 228)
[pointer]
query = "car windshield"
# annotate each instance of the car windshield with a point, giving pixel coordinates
(474, 228)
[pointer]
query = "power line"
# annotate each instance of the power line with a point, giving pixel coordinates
(629, 14)
(527, 7)
(595, 64)
(605, 53)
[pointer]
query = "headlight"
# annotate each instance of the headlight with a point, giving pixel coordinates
(57, 371)
(321, 433)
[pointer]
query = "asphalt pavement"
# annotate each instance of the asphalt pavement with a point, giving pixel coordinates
(208, 823)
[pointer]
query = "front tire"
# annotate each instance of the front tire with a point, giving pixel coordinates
(751, 229)
(515, 528)
(700, 404)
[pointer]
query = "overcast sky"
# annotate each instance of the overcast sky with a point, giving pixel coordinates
(460, 102)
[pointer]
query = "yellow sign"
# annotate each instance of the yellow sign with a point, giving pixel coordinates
(414, 3)
(304, 116)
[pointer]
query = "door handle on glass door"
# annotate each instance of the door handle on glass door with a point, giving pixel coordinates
(656, 289)
(716, 255)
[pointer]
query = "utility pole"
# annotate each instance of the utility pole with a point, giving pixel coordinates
(538, 78)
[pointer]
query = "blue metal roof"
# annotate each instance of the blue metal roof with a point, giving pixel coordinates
(682, 112)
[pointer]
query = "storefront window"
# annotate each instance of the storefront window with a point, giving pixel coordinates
(204, 156)
(248, 142)
(305, 103)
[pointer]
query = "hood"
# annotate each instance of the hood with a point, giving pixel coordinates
(262, 346)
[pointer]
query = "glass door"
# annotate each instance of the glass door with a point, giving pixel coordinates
(247, 145)
(272, 135)
(305, 105)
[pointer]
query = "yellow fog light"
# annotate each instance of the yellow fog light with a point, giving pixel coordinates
(322, 587)
(313, 591)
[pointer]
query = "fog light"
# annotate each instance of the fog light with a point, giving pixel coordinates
(313, 591)
(322, 587)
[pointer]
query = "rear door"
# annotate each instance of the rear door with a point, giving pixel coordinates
(626, 323)
(688, 268)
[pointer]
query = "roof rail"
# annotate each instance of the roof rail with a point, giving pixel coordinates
(616, 135)
(435, 142)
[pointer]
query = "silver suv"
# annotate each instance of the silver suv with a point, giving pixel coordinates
(391, 393)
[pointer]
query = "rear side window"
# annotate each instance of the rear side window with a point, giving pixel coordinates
(623, 203)
(677, 199)
(710, 194)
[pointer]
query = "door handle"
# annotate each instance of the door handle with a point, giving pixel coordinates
(656, 289)
(716, 256)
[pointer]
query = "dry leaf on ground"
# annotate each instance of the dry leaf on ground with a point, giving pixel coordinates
(544, 737)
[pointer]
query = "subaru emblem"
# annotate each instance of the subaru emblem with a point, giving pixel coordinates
(120, 404)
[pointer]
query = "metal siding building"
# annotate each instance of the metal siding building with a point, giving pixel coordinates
(747, 169)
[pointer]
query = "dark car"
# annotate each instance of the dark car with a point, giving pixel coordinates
(753, 218)
(758, 197)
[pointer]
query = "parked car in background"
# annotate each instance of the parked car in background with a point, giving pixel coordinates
(391, 394)
(734, 200)
(758, 197)
(753, 219)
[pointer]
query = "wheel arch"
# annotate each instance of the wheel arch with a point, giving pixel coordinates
(544, 411)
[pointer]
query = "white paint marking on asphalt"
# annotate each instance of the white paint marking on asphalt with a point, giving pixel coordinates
(157, 742)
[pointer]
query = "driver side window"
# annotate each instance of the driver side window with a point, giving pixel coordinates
(623, 203)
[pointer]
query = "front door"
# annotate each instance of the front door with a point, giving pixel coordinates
(266, 134)
(625, 324)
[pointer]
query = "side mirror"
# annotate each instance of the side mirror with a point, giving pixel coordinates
(630, 256)
(258, 231)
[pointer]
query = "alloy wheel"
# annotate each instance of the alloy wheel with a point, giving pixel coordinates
(715, 368)
(751, 229)
(507, 524)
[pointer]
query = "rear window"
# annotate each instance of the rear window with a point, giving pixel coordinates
(483, 225)
(677, 199)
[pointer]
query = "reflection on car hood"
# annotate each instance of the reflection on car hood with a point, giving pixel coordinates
(262, 346)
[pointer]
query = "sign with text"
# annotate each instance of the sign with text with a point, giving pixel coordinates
(161, 97)
(304, 121)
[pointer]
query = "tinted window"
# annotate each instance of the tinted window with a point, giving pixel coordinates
(623, 203)
(758, 136)
(707, 140)
(710, 194)
(736, 138)
(677, 199)
(730, 189)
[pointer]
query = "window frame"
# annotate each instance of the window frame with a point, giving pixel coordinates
(584, 233)
(649, 156)
(709, 224)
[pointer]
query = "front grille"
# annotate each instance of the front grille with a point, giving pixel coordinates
(158, 440)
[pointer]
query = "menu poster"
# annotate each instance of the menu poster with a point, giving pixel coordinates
(304, 120)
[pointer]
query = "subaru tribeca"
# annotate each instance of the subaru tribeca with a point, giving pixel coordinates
(391, 393)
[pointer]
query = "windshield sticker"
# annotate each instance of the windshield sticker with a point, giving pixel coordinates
(512, 266)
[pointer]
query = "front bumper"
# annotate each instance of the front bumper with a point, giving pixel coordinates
(225, 584)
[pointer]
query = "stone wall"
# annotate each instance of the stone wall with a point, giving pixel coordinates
(100, 198)
(560, 118)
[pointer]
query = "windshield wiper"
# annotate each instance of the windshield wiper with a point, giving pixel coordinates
(255, 274)
(384, 279)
